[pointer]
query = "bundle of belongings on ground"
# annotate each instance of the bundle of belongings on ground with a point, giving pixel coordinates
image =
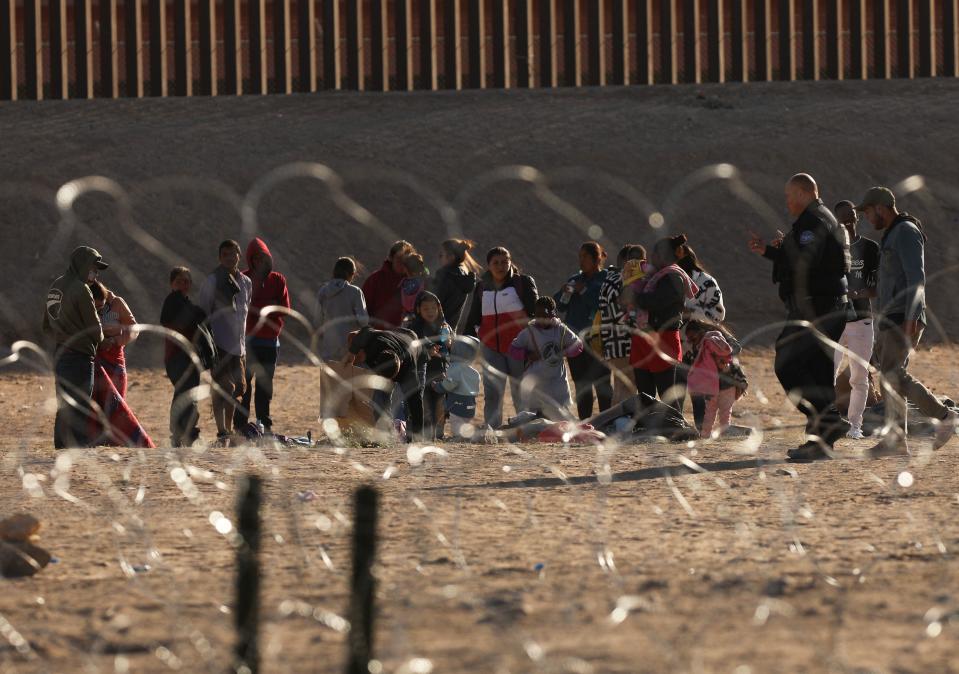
(643, 417)
(18, 555)
(531, 427)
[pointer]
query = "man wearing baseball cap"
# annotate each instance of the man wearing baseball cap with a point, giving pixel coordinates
(901, 319)
(72, 321)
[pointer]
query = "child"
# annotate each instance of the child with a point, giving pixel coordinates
(181, 315)
(415, 282)
(436, 338)
(716, 379)
(461, 385)
(340, 310)
(543, 344)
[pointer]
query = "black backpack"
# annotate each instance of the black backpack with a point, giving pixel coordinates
(205, 346)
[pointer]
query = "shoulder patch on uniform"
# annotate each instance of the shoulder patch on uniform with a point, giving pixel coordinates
(806, 237)
(54, 303)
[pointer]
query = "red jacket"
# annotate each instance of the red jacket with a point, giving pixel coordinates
(382, 293)
(271, 291)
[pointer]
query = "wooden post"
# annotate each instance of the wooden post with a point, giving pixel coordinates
(692, 71)
(306, 45)
(715, 32)
(158, 67)
(740, 48)
(835, 55)
(332, 69)
(182, 48)
(667, 42)
(596, 42)
(8, 50)
(880, 39)
(248, 576)
(950, 38)
(762, 34)
(282, 48)
(927, 38)
(547, 44)
(645, 59)
(83, 47)
(787, 40)
(524, 43)
(403, 23)
(810, 39)
(858, 58)
(59, 79)
(232, 47)
(363, 585)
(208, 62)
(904, 41)
(452, 61)
(620, 69)
(428, 75)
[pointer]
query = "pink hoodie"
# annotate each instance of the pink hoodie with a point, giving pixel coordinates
(714, 353)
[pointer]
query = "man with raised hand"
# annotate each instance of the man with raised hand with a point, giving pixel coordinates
(902, 319)
(858, 336)
(810, 263)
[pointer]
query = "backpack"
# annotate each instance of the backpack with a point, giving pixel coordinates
(205, 346)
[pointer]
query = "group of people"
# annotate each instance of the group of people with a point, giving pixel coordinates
(652, 326)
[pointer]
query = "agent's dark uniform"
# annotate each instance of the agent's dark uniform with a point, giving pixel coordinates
(810, 268)
(380, 347)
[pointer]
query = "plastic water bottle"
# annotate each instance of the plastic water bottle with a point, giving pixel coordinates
(567, 295)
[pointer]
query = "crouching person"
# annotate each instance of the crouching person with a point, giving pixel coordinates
(391, 354)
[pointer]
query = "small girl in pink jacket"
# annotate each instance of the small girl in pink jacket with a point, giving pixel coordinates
(714, 359)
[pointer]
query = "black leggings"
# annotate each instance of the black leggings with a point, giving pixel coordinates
(589, 372)
(652, 383)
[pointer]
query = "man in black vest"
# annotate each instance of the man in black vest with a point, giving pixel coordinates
(810, 264)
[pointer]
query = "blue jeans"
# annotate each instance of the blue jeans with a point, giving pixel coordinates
(74, 377)
(497, 369)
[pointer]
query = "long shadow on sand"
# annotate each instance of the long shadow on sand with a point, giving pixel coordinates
(652, 473)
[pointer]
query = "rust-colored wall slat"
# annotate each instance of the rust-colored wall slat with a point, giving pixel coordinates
(208, 61)
(402, 20)
(572, 64)
(715, 30)
(880, 39)
(332, 68)
(355, 75)
(524, 43)
(232, 60)
(83, 47)
(835, 55)
(182, 48)
(667, 42)
(500, 42)
(109, 70)
(282, 49)
(158, 66)
(927, 38)
(452, 76)
(810, 39)
(596, 42)
(740, 50)
(306, 45)
(476, 51)
(691, 25)
(904, 41)
(58, 49)
(378, 68)
(858, 58)
(787, 40)
(428, 75)
(645, 59)
(620, 36)
(32, 49)
(950, 38)
(8, 51)
(256, 26)
(547, 43)
(133, 47)
(763, 45)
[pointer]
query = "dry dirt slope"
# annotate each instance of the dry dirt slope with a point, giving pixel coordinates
(182, 160)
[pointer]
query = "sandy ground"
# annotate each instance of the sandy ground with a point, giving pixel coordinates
(613, 156)
(492, 558)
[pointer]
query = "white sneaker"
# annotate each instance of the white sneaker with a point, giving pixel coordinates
(855, 433)
(945, 429)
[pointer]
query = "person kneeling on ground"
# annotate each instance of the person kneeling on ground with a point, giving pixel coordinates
(545, 344)
(392, 354)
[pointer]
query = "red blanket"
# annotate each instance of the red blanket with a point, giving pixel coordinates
(124, 428)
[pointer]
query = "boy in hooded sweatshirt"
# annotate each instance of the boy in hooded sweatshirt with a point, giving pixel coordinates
(340, 310)
(545, 344)
(461, 384)
(262, 336)
(436, 338)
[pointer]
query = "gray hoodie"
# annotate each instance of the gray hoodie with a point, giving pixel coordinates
(902, 272)
(340, 309)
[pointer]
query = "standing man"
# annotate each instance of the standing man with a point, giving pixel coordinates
(382, 288)
(857, 337)
(262, 339)
(225, 298)
(902, 319)
(71, 319)
(810, 264)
